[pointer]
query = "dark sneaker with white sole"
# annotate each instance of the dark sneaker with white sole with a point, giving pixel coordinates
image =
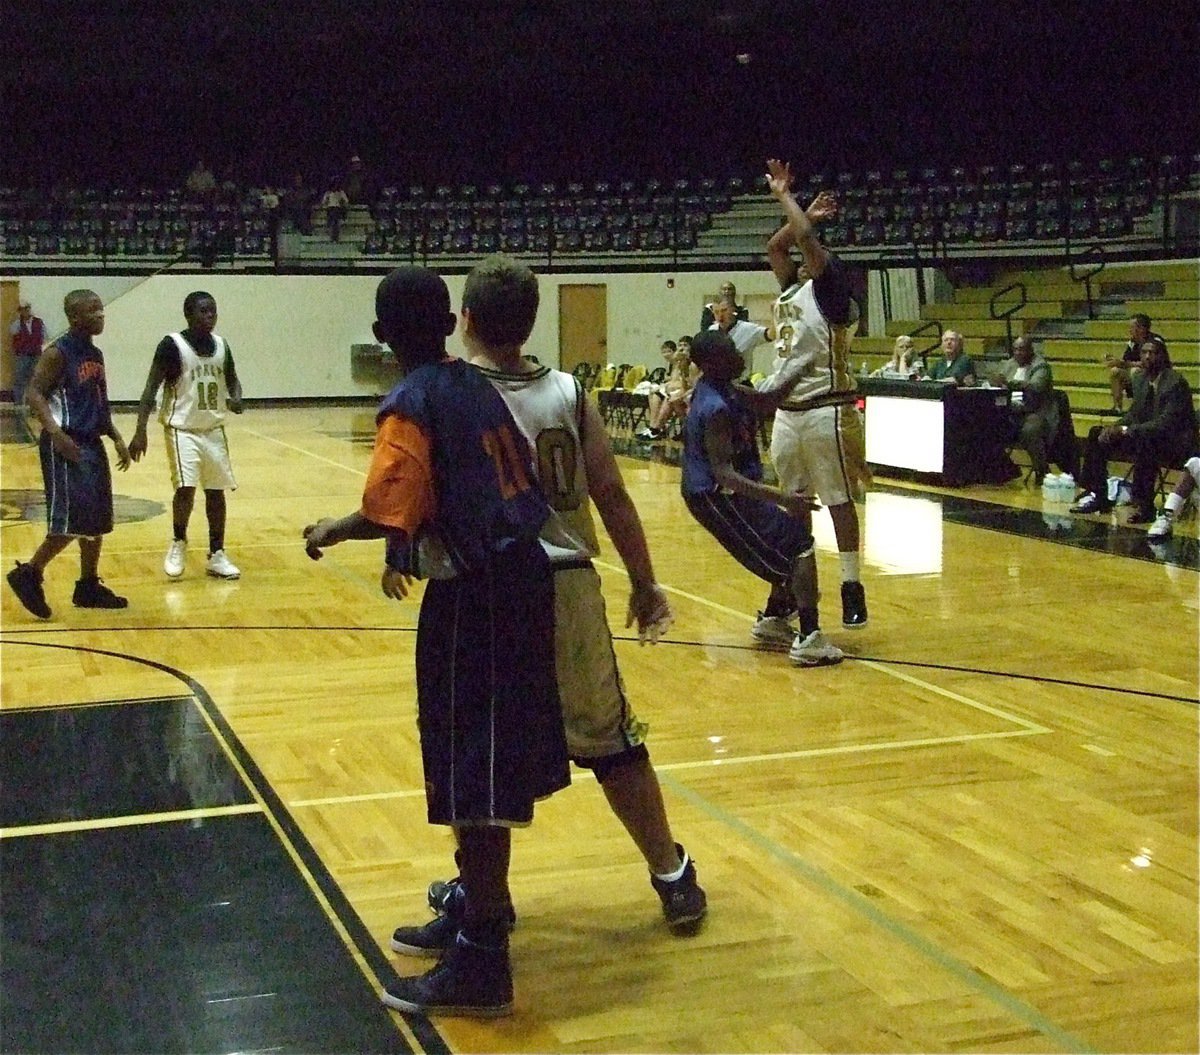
(471, 981)
(26, 583)
(683, 901)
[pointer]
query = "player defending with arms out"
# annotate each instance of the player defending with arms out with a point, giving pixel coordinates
(817, 443)
(576, 467)
(195, 370)
(69, 396)
(451, 488)
(765, 530)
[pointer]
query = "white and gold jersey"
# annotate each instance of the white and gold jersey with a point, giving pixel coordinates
(548, 406)
(196, 401)
(806, 340)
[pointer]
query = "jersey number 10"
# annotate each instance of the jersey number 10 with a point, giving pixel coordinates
(510, 467)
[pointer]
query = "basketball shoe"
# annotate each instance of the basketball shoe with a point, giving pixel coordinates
(683, 900)
(854, 605)
(92, 593)
(469, 980)
(26, 583)
(773, 631)
(816, 650)
(174, 561)
(221, 567)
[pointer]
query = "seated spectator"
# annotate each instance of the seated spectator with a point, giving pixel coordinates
(297, 204)
(1159, 430)
(357, 183)
(201, 183)
(708, 315)
(335, 203)
(670, 399)
(1175, 502)
(1121, 371)
(955, 365)
(1033, 409)
(900, 365)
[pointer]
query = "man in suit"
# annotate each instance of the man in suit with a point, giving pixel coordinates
(1032, 406)
(1160, 429)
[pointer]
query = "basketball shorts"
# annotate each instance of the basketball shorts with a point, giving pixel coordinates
(821, 453)
(491, 725)
(599, 722)
(199, 459)
(759, 535)
(79, 499)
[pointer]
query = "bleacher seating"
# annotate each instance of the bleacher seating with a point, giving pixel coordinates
(884, 214)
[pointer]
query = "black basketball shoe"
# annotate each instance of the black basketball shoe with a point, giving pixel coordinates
(26, 583)
(683, 901)
(92, 593)
(469, 980)
(854, 605)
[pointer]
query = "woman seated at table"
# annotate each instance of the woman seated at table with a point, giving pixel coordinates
(899, 366)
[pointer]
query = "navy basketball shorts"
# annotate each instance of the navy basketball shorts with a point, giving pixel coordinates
(759, 535)
(79, 500)
(491, 725)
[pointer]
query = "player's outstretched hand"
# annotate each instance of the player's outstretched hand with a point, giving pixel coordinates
(779, 177)
(317, 537)
(824, 207)
(395, 584)
(650, 609)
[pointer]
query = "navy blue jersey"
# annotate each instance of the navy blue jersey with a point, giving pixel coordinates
(708, 400)
(79, 400)
(486, 486)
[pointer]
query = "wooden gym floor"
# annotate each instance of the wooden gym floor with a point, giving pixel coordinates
(977, 834)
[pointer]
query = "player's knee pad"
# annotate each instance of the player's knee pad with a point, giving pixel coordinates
(604, 767)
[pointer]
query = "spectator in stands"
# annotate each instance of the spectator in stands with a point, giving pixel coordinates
(297, 204)
(335, 202)
(357, 183)
(954, 365)
(670, 399)
(1175, 502)
(708, 315)
(201, 183)
(1159, 430)
(1033, 409)
(269, 200)
(899, 366)
(1121, 371)
(28, 335)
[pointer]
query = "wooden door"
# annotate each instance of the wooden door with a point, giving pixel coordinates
(10, 297)
(582, 325)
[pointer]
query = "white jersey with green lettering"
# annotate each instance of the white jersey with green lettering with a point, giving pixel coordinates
(196, 401)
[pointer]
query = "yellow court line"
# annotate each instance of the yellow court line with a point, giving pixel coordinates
(338, 800)
(128, 821)
(1032, 727)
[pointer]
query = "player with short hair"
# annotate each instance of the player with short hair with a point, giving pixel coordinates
(195, 370)
(69, 395)
(451, 487)
(768, 531)
(576, 468)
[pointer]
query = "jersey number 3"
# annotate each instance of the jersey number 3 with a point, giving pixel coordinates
(510, 466)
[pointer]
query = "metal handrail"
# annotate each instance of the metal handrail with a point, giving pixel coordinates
(932, 324)
(1008, 313)
(1094, 250)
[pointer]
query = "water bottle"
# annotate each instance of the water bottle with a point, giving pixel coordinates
(1050, 489)
(1066, 488)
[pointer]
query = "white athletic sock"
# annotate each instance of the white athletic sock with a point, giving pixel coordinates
(670, 877)
(1173, 504)
(850, 566)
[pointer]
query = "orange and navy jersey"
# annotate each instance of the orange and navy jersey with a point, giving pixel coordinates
(79, 400)
(450, 461)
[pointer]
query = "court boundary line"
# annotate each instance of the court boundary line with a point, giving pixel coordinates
(335, 906)
(129, 820)
(1091, 686)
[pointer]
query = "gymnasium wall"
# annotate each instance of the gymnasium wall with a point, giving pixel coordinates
(291, 334)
